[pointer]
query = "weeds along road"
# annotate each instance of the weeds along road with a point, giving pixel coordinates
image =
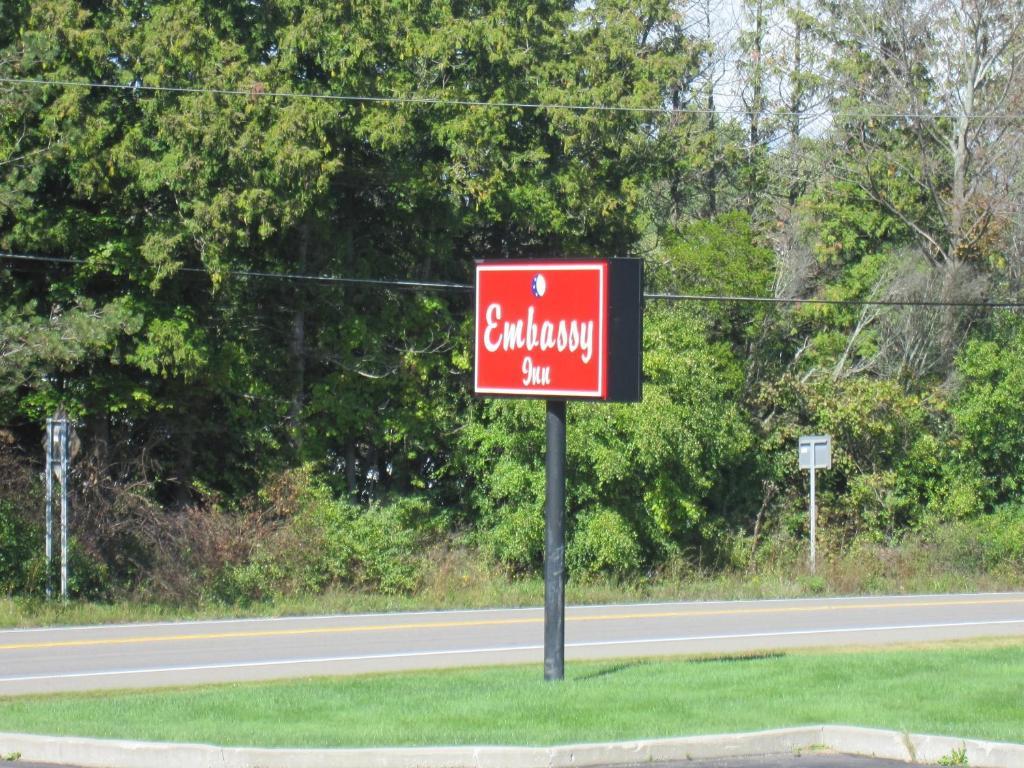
(148, 655)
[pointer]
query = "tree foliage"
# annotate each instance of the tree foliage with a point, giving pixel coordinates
(189, 178)
(651, 478)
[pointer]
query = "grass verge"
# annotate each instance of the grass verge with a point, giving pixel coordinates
(464, 581)
(968, 690)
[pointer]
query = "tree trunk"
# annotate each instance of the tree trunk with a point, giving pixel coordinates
(796, 108)
(183, 466)
(350, 467)
(297, 342)
(711, 177)
(756, 107)
(97, 441)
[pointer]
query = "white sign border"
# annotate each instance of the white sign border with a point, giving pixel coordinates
(600, 265)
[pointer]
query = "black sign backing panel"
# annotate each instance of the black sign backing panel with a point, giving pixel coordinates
(625, 330)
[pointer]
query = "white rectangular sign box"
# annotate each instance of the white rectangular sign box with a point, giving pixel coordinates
(816, 452)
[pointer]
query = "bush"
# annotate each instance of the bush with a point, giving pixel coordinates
(20, 542)
(385, 550)
(662, 466)
(515, 541)
(881, 455)
(603, 543)
(88, 575)
(988, 412)
(1003, 534)
(309, 541)
(991, 542)
(23, 561)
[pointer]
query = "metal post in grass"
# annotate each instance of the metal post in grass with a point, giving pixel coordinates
(49, 508)
(60, 444)
(814, 525)
(65, 429)
(554, 544)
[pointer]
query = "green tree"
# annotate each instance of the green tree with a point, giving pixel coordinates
(160, 199)
(645, 481)
(988, 414)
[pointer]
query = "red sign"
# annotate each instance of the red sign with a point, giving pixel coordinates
(542, 329)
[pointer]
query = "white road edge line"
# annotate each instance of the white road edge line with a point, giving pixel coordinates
(504, 649)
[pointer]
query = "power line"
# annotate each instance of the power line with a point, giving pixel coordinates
(809, 116)
(416, 285)
(326, 279)
(385, 100)
(836, 302)
(254, 92)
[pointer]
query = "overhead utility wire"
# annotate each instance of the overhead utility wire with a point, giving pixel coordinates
(835, 302)
(392, 100)
(437, 101)
(384, 283)
(464, 287)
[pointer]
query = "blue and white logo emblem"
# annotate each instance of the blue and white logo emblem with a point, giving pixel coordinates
(539, 285)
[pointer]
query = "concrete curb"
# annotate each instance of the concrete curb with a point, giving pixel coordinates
(917, 748)
(893, 745)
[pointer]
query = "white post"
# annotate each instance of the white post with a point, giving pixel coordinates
(814, 517)
(49, 508)
(65, 428)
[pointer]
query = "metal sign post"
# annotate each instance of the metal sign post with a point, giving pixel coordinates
(815, 453)
(49, 508)
(554, 544)
(64, 429)
(814, 525)
(58, 458)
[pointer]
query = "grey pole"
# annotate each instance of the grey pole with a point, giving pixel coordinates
(554, 545)
(49, 508)
(814, 520)
(65, 428)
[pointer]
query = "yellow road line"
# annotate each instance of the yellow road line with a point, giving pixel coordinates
(261, 633)
(700, 612)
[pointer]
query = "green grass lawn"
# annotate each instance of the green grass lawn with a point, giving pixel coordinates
(966, 690)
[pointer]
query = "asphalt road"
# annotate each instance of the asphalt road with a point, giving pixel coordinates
(147, 655)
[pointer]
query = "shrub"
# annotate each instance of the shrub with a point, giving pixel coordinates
(88, 575)
(988, 411)
(663, 466)
(309, 541)
(603, 543)
(990, 542)
(23, 561)
(515, 540)
(258, 579)
(19, 543)
(385, 550)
